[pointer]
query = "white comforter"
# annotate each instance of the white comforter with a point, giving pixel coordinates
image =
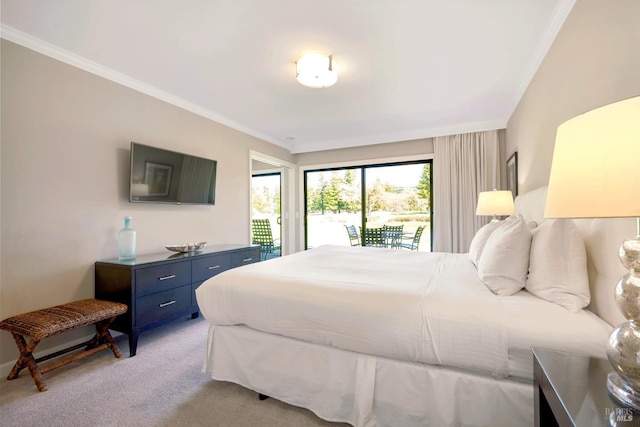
(421, 307)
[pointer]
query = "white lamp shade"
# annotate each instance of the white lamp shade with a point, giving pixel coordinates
(595, 172)
(316, 70)
(495, 203)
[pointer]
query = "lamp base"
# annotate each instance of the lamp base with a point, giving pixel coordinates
(622, 392)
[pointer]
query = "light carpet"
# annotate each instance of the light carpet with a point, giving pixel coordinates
(163, 385)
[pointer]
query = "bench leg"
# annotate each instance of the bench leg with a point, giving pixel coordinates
(103, 336)
(27, 360)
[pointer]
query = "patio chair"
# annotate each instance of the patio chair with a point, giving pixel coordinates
(412, 244)
(392, 235)
(262, 236)
(354, 238)
(373, 237)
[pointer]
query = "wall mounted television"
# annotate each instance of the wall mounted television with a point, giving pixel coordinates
(162, 176)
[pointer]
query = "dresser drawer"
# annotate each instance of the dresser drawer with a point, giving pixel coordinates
(163, 304)
(243, 257)
(162, 277)
(203, 268)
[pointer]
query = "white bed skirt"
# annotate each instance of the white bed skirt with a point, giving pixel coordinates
(364, 390)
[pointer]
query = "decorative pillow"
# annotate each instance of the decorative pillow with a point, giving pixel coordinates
(480, 240)
(505, 259)
(558, 265)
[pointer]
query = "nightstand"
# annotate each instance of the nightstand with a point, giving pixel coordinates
(571, 390)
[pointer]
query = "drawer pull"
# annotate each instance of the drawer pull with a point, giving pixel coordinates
(171, 276)
(164, 304)
(213, 267)
(247, 259)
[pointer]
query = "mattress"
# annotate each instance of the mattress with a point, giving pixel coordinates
(409, 306)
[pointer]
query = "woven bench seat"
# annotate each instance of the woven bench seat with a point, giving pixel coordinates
(47, 322)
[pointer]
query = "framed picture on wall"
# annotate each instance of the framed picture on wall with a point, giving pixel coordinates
(158, 178)
(512, 174)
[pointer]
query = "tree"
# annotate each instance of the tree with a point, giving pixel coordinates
(315, 197)
(332, 196)
(376, 200)
(258, 203)
(424, 185)
(349, 177)
(276, 203)
(350, 192)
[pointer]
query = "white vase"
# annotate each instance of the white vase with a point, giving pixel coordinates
(127, 241)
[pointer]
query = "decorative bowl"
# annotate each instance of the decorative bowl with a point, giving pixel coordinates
(187, 247)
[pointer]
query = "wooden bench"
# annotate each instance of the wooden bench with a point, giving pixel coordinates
(44, 323)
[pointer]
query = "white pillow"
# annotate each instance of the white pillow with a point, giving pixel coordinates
(558, 265)
(505, 259)
(480, 240)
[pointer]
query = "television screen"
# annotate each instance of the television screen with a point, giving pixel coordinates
(163, 176)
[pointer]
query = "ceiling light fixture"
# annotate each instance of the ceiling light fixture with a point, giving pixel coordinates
(316, 70)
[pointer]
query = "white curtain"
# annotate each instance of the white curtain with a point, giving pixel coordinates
(463, 166)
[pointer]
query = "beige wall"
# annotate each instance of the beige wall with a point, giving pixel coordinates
(594, 60)
(372, 152)
(66, 135)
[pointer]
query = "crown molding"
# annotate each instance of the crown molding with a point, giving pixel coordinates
(16, 36)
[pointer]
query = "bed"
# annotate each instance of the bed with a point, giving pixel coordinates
(382, 337)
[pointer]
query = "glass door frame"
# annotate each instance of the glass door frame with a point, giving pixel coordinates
(258, 174)
(288, 212)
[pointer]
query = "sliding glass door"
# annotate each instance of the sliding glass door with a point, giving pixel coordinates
(387, 205)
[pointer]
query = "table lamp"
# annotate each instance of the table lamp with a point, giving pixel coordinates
(595, 173)
(495, 203)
